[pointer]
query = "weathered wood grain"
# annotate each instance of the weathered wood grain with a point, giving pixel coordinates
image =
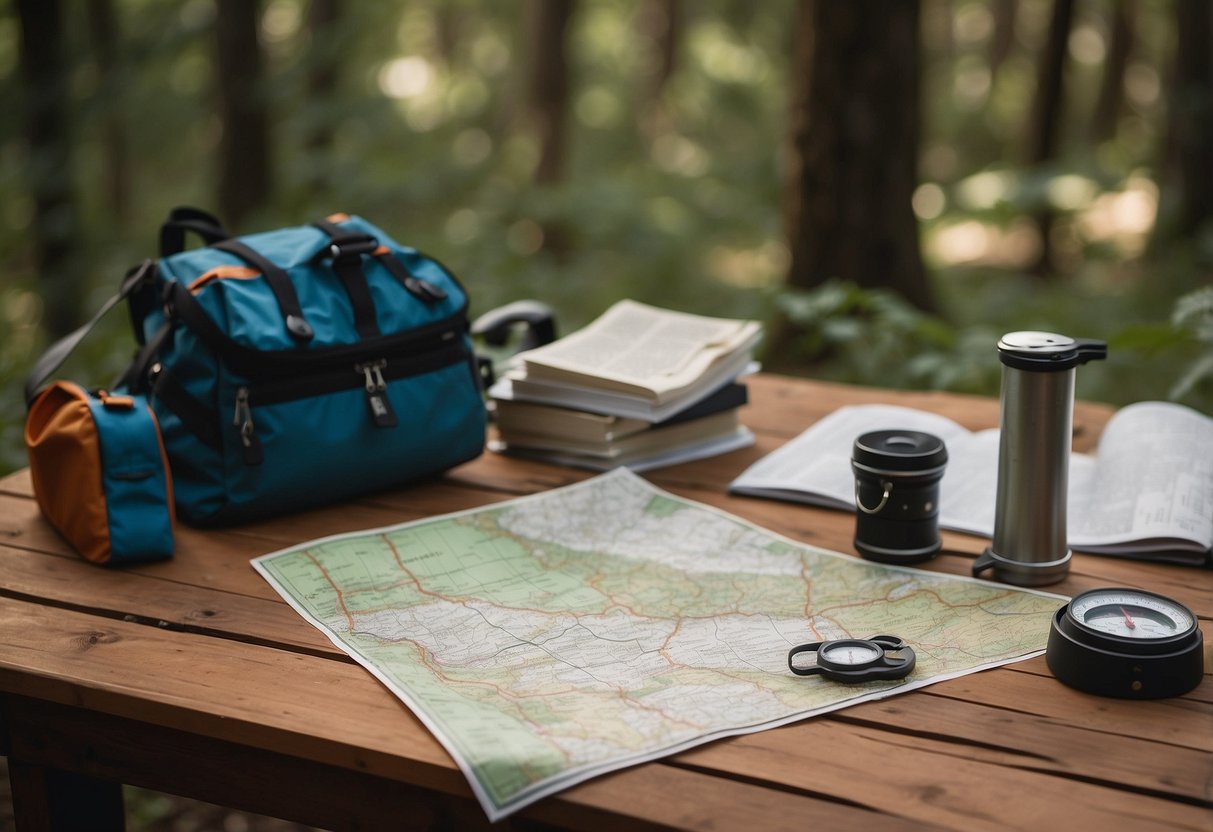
(201, 646)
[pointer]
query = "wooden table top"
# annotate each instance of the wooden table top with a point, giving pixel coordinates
(201, 648)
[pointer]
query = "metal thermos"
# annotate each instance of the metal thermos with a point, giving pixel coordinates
(1029, 546)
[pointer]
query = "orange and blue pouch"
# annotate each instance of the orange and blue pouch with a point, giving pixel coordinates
(100, 473)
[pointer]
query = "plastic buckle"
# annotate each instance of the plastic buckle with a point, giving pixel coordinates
(354, 245)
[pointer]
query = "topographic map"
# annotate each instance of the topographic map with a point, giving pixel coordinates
(551, 638)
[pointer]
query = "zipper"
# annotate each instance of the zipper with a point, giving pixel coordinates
(243, 419)
(372, 376)
(376, 393)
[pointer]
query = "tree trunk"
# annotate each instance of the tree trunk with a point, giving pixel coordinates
(49, 169)
(323, 70)
(1045, 120)
(661, 25)
(1187, 191)
(244, 168)
(103, 33)
(1003, 36)
(854, 148)
(549, 85)
(1106, 117)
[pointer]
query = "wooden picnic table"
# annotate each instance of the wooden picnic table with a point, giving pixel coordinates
(193, 677)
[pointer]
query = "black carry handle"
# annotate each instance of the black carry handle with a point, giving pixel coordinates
(183, 219)
(54, 356)
(497, 325)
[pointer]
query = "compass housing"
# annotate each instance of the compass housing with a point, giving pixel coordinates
(1108, 664)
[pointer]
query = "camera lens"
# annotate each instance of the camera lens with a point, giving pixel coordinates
(897, 476)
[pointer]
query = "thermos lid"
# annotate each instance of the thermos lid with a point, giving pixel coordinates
(1048, 351)
(899, 452)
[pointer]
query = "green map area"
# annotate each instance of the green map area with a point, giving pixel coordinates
(551, 638)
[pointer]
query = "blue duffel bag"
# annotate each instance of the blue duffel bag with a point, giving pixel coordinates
(300, 366)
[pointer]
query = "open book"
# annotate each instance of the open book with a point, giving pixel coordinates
(639, 350)
(1147, 492)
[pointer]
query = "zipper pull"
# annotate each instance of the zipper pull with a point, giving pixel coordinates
(376, 393)
(243, 419)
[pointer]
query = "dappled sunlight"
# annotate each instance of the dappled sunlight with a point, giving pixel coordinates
(1121, 220)
(405, 77)
(749, 268)
(20, 312)
(983, 191)
(975, 242)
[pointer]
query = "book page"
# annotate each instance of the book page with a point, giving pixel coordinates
(815, 467)
(641, 350)
(1153, 478)
(1149, 488)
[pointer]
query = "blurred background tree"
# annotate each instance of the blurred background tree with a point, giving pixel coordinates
(891, 184)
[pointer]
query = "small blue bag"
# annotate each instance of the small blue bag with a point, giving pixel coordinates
(301, 366)
(100, 475)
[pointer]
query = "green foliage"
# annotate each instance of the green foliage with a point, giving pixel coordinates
(873, 336)
(1187, 340)
(1194, 316)
(670, 195)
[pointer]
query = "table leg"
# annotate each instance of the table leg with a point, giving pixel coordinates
(60, 801)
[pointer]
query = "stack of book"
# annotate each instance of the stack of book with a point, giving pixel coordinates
(640, 387)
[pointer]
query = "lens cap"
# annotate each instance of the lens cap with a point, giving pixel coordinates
(900, 452)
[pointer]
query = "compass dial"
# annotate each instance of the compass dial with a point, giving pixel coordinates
(852, 653)
(1130, 614)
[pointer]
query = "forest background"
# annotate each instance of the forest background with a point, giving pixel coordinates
(890, 185)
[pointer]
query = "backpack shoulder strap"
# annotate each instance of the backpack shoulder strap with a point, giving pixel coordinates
(54, 356)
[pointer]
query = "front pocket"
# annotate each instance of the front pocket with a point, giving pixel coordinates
(297, 443)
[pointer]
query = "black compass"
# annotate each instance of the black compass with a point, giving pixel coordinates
(1127, 643)
(855, 660)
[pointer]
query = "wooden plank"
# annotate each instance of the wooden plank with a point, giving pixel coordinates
(923, 778)
(342, 798)
(174, 679)
(284, 704)
(232, 691)
(1028, 688)
(73, 583)
(79, 743)
(18, 484)
(1113, 755)
(663, 795)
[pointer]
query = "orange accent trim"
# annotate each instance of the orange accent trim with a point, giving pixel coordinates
(338, 217)
(382, 250)
(222, 273)
(109, 400)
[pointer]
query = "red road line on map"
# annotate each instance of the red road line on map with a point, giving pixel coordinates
(340, 595)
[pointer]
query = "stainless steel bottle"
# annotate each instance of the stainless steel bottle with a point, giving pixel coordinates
(1029, 546)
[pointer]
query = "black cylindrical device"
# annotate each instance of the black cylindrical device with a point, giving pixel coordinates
(897, 476)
